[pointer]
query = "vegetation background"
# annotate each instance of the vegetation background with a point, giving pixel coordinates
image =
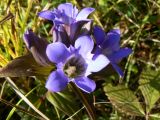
(136, 96)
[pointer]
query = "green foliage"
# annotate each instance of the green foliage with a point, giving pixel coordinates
(139, 25)
(149, 86)
(155, 116)
(65, 102)
(123, 99)
(14, 108)
(24, 66)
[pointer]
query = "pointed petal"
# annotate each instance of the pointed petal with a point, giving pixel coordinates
(68, 13)
(84, 13)
(117, 56)
(97, 52)
(99, 35)
(87, 28)
(37, 47)
(60, 35)
(118, 69)
(57, 81)
(60, 17)
(76, 29)
(75, 12)
(98, 63)
(86, 84)
(84, 44)
(112, 40)
(66, 8)
(49, 15)
(57, 52)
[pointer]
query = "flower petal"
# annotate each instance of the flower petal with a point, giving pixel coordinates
(37, 47)
(97, 52)
(86, 84)
(75, 12)
(47, 14)
(84, 44)
(99, 35)
(60, 35)
(117, 56)
(112, 40)
(66, 8)
(57, 81)
(87, 28)
(28, 38)
(57, 52)
(76, 29)
(97, 64)
(67, 13)
(84, 13)
(118, 69)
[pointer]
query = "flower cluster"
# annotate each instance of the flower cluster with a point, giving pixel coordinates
(68, 22)
(73, 50)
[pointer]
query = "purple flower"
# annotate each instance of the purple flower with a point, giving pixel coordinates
(67, 16)
(108, 44)
(60, 35)
(74, 64)
(37, 47)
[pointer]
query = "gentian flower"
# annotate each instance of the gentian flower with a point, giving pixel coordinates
(37, 46)
(108, 44)
(74, 64)
(68, 16)
(60, 35)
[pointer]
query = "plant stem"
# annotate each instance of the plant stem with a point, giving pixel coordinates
(89, 106)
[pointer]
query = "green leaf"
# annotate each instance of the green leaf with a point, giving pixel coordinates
(25, 99)
(149, 86)
(21, 100)
(102, 2)
(124, 99)
(155, 116)
(64, 102)
(25, 66)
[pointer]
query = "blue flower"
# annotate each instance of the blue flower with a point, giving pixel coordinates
(66, 18)
(37, 46)
(66, 14)
(74, 64)
(108, 44)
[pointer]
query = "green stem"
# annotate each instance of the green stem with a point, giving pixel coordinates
(89, 107)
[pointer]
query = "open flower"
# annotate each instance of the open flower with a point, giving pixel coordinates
(67, 16)
(74, 64)
(108, 44)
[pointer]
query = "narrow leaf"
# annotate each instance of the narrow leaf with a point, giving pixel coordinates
(64, 102)
(124, 99)
(7, 17)
(155, 116)
(14, 108)
(19, 93)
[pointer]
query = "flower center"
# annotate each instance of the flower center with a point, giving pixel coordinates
(75, 66)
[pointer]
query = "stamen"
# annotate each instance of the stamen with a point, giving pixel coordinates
(75, 66)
